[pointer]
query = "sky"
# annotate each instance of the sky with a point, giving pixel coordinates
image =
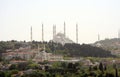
(92, 16)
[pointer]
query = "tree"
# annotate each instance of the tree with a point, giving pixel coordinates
(101, 67)
(13, 67)
(116, 73)
(2, 74)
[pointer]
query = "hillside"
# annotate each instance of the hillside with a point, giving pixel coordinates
(72, 50)
(112, 45)
(77, 50)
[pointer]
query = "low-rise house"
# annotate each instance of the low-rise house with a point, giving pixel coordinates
(42, 56)
(87, 62)
(29, 71)
(55, 57)
(26, 55)
(17, 61)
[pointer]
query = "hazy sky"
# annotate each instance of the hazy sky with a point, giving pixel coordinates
(92, 16)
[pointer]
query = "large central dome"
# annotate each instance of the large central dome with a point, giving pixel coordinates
(60, 38)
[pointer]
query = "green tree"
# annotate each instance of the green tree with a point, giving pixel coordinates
(101, 67)
(13, 67)
(2, 74)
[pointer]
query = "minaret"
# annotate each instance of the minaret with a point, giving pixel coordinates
(119, 33)
(54, 31)
(44, 53)
(42, 33)
(31, 34)
(64, 29)
(76, 33)
(98, 37)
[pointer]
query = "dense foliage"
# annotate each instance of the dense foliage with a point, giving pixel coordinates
(86, 51)
(78, 50)
(62, 69)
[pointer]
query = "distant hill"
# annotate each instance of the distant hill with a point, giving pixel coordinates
(112, 45)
